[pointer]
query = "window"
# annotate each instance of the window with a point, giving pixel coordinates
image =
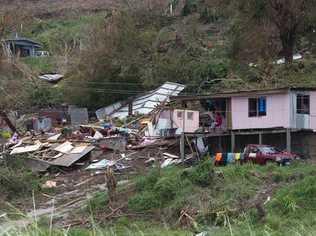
(268, 150)
(302, 102)
(190, 115)
(252, 107)
(257, 107)
(179, 114)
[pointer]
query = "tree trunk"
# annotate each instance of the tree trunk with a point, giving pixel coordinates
(4, 116)
(288, 42)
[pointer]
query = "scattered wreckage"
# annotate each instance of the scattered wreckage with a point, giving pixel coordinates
(135, 134)
(125, 133)
(93, 147)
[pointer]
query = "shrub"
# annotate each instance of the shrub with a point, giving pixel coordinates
(166, 188)
(17, 182)
(277, 177)
(143, 201)
(147, 182)
(98, 202)
(301, 195)
(203, 174)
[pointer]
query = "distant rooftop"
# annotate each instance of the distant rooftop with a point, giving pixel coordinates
(23, 40)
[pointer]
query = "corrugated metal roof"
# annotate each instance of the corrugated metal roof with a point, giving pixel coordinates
(67, 160)
(143, 104)
(24, 40)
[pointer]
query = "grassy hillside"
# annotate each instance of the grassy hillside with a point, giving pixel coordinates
(232, 200)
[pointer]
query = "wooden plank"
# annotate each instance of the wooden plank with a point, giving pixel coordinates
(188, 141)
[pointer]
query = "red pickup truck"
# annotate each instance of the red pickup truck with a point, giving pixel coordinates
(261, 154)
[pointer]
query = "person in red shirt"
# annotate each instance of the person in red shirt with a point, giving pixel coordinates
(218, 120)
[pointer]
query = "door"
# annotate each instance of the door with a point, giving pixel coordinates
(302, 110)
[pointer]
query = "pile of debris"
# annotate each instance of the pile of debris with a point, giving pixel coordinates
(94, 147)
(118, 140)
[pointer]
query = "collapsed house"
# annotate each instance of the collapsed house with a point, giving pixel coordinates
(50, 142)
(143, 104)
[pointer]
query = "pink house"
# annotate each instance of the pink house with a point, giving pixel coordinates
(290, 108)
(281, 108)
(283, 117)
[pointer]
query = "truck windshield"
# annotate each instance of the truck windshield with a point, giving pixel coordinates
(269, 150)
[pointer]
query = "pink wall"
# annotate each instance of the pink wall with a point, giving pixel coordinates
(278, 113)
(191, 124)
(313, 110)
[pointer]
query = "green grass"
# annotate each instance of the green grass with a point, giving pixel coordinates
(120, 229)
(55, 33)
(215, 197)
(98, 202)
(41, 65)
(215, 194)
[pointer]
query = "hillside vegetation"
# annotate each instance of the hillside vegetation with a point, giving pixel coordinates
(110, 50)
(231, 200)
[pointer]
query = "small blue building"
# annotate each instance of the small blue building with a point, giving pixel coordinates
(22, 47)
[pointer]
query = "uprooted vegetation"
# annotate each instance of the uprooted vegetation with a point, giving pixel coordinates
(241, 199)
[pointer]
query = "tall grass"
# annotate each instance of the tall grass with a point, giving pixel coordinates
(291, 210)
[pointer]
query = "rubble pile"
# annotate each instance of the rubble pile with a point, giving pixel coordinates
(131, 135)
(93, 147)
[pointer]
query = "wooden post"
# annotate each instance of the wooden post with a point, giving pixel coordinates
(220, 144)
(288, 140)
(260, 138)
(130, 108)
(233, 142)
(182, 146)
